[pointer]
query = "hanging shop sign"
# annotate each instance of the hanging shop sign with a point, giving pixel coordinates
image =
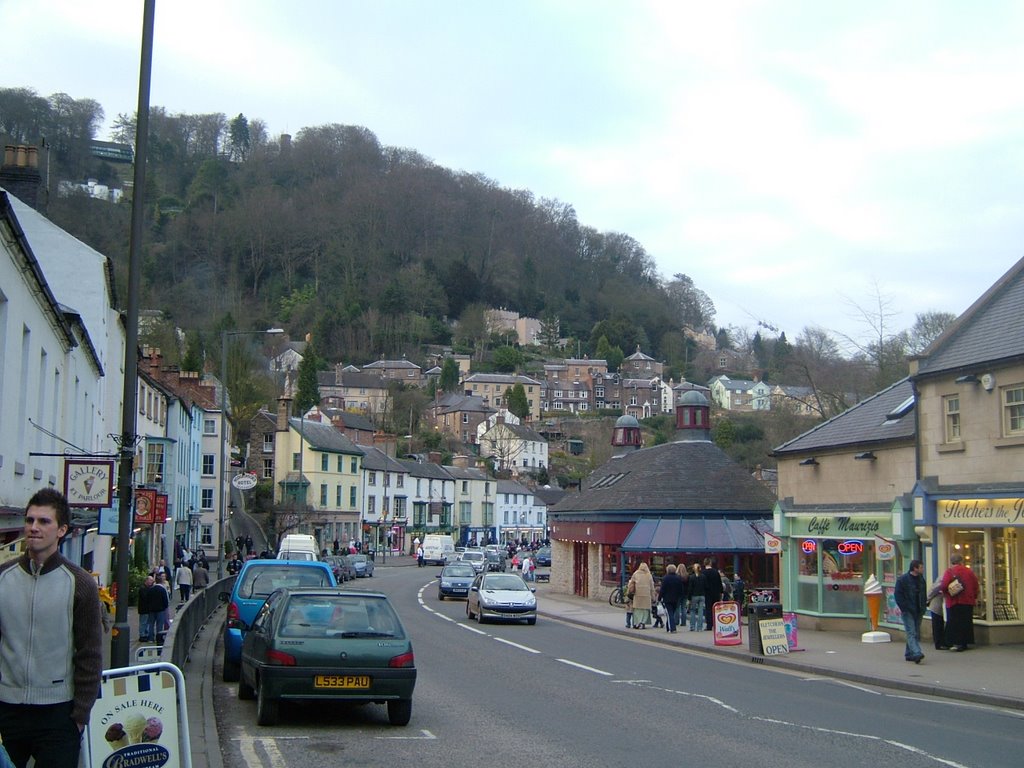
(160, 510)
(145, 506)
(772, 544)
(89, 483)
(885, 549)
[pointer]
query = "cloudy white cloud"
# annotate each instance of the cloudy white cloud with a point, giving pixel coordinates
(782, 155)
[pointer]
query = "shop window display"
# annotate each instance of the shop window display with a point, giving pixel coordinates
(831, 576)
(998, 581)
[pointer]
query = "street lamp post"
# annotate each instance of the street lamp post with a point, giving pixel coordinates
(225, 453)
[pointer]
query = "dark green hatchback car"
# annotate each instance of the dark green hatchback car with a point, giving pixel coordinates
(327, 644)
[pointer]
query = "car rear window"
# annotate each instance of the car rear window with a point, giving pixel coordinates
(339, 616)
(261, 580)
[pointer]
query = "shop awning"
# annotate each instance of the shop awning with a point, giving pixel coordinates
(697, 534)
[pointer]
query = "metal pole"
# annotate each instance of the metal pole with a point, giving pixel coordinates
(120, 636)
(223, 450)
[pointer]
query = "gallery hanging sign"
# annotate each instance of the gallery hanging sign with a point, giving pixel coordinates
(89, 482)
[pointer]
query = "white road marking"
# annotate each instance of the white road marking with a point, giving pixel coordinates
(847, 683)
(425, 735)
(517, 645)
(867, 736)
(585, 667)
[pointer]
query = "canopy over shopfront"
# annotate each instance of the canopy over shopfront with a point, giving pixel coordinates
(697, 534)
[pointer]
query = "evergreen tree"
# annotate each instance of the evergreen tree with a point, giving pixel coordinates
(193, 360)
(449, 375)
(308, 393)
(517, 403)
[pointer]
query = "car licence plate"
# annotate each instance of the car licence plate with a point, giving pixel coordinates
(341, 681)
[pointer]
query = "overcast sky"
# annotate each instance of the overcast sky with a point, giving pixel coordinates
(788, 156)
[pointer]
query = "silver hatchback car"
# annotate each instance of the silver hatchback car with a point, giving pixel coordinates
(501, 596)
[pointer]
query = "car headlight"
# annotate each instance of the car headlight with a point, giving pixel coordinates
(446, 584)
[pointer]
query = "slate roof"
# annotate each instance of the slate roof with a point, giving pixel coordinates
(466, 473)
(324, 437)
(427, 469)
(691, 476)
(524, 433)
(376, 459)
(548, 495)
(500, 378)
(349, 420)
(388, 364)
(367, 380)
(989, 330)
(864, 424)
(638, 355)
(511, 486)
(467, 404)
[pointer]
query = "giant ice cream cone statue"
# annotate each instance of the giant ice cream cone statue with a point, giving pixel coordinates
(873, 594)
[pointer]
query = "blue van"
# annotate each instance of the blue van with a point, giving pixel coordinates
(255, 582)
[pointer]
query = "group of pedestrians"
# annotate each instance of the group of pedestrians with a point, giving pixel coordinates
(683, 594)
(956, 591)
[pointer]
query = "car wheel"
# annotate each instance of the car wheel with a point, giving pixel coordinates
(532, 620)
(231, 670)
(469, 613)
(266, 708)
(245, 691)
(400, 712)
(480, 616)
(440, 597)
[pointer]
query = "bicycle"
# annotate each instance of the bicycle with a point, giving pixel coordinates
(618, 599)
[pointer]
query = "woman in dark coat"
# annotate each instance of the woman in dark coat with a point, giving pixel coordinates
(671, 595)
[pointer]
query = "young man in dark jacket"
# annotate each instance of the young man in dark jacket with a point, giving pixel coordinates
(51, 633)
(911, 598)
(712, 590)
(672, 591)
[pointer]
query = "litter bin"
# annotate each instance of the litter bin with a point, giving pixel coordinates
(759, 611)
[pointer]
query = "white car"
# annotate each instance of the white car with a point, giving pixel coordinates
(503, 596)
(475, 558)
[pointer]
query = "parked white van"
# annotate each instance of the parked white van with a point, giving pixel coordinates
(298, 546)
(438, 549)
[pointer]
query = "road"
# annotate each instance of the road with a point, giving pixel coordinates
(561, 695)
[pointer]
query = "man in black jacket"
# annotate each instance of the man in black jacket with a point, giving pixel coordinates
(671, 593)
(712, 590)
(911, 599)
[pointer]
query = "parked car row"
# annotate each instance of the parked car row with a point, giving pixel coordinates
(348, 567)
(293, 634)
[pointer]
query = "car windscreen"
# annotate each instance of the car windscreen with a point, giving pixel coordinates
(260, 581)
(459, 570)
(504, 582)
(339, 616)
(472, 555)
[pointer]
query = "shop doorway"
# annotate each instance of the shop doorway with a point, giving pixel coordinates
(580, 569)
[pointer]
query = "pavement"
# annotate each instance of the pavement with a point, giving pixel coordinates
(990, 675)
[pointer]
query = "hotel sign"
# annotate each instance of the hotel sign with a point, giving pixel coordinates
(982, 512)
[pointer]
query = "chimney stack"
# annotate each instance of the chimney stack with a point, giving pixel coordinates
(284, 408)
(19, 174)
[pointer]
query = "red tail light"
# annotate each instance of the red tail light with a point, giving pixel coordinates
(234, 622)
(403, 660)
(280, 658)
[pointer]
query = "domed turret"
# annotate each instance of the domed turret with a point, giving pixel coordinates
(626, 435)
(693, 420)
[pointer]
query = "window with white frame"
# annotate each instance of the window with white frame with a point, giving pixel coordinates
(209, 426)
(209, 464)
(324, 462)
(268, 469)
(371, 478)
(951, 409)
(206, 535)
(206, 498)
(1013, 411)
(268, 442)
(371, 505)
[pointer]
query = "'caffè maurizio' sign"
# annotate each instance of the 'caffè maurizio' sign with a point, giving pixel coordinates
(996, 512)
(840, 526)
